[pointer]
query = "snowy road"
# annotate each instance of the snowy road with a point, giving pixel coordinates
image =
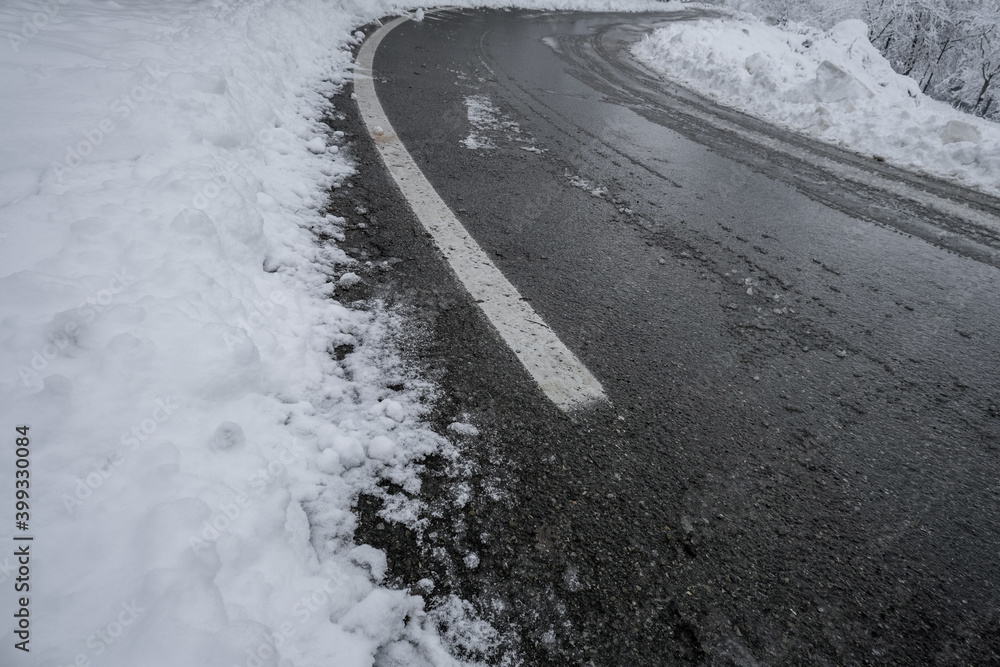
(800, 463)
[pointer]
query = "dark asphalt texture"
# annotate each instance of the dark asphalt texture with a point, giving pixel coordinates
(799, 465)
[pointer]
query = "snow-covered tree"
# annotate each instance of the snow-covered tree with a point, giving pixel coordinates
(974, 82)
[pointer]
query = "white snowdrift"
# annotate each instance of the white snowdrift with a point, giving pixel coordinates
(166, 331)
(832, 85)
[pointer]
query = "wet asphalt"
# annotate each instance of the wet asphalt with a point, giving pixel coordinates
(800, 461)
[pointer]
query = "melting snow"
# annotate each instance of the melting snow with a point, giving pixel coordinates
(584, 184)
(485, 117)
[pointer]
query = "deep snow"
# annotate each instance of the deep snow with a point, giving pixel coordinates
(167, 332)
(832, 85)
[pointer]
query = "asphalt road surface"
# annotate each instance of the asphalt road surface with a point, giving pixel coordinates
(800, 461)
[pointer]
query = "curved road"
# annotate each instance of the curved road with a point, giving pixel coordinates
(800, 463)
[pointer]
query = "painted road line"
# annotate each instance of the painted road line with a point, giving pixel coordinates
(558, 372)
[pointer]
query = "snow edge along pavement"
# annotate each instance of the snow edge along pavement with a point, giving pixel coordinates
(168, 333)
(556, 370)
(882, 116)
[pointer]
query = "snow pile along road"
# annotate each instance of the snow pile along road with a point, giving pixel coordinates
(166, 332)
(832, 85)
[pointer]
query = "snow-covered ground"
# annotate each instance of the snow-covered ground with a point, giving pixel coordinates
(167, 330)
(832, 85)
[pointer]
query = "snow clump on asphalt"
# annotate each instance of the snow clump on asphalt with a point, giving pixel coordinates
(484, 117)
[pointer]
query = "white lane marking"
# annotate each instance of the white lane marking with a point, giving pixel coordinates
(558, 372)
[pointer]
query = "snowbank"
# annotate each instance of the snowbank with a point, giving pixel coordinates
(166, 335)
(833, 85)
(165, 331)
